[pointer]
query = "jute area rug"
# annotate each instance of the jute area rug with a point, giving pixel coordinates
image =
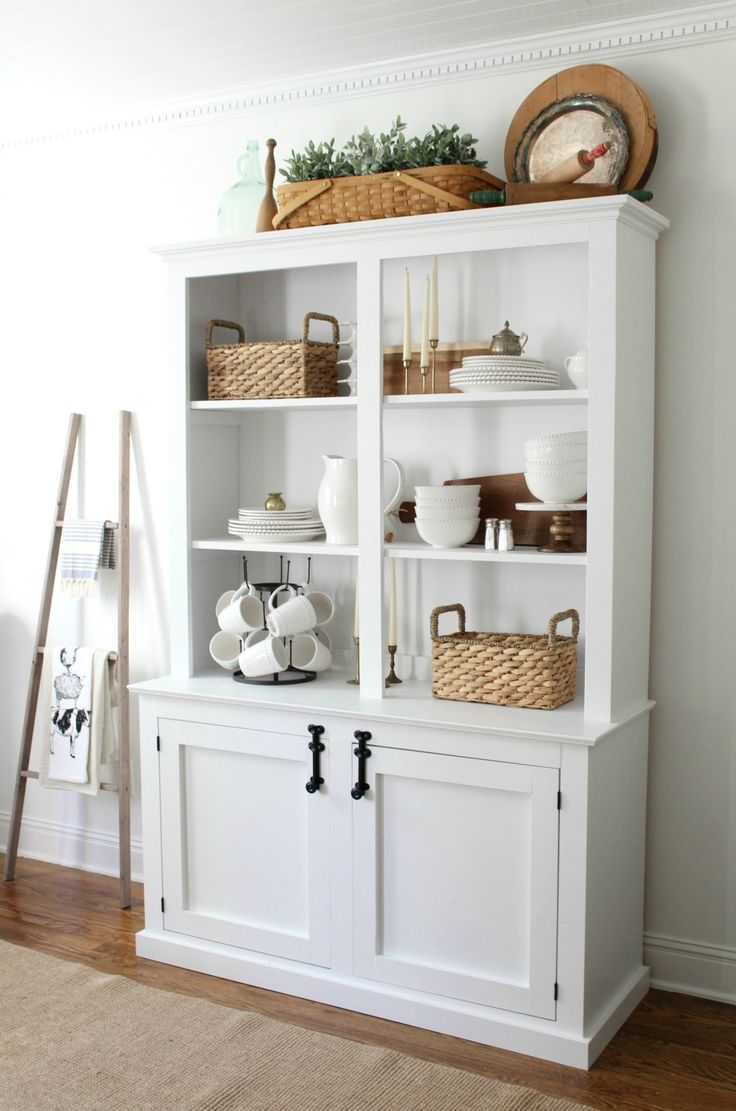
(72, 1039)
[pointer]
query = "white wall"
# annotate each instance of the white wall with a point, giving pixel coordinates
(83, 311)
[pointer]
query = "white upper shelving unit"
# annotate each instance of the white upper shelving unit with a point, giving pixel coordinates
(566, 273)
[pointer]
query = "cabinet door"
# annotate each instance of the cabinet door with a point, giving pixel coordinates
(456, 878)
(245, 848)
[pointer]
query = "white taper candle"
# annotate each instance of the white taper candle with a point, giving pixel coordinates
(434, 319)
(424, 356)
(407, 318)
(392, 603)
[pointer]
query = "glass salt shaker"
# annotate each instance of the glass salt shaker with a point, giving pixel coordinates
(505, 536)
(491, 541)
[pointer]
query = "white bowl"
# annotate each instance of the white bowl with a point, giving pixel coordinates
(443, 491)
(556, 453)
(448, 515)
(560, 487)
(447, 503)
(553, 439)
(561, 468)
(447, 534)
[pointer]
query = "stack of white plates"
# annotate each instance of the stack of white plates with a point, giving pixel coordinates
(491, 373)
(276, 526)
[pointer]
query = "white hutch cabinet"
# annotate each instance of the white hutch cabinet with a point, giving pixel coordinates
(472, 869)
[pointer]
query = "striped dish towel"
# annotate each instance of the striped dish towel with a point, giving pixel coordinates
(86, 546)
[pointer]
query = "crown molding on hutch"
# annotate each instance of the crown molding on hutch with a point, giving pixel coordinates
(689, 26)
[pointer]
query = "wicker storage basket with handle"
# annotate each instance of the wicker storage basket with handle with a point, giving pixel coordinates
(272, 368)
(415, 192)
(507, 669)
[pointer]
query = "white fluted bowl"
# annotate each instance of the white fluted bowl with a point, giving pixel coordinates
(446, 491)
(556, 453)
(458, 514)
(561, 487)
(554, 439)
(448, 534)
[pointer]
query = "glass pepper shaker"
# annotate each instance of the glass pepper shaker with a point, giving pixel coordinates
(505, 536)
(491, 540)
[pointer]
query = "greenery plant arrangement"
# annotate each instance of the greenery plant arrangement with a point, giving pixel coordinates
(367, 153)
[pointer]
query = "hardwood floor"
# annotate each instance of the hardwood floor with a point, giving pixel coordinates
(676, 1052)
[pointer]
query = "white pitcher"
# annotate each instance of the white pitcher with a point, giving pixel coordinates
(337, 499)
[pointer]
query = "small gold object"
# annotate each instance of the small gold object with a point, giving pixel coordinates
(355, 682)
(407, 364)
(433, 344)
(392, 677)
(275, 502)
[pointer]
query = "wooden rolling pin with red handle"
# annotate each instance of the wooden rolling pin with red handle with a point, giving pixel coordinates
(574, 166)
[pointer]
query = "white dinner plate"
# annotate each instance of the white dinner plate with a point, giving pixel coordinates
(500, 387)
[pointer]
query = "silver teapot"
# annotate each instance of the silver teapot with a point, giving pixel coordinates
(507, 342)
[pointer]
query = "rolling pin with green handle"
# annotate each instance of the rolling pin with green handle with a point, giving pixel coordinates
(517, 192)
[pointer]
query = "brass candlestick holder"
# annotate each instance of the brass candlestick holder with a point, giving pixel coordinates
(392, 677)
(433, 344)
(355, 682)
(424, 370)
(407, 364)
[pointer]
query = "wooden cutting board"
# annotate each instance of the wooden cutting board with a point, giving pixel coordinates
(499, 494)
(449, 356)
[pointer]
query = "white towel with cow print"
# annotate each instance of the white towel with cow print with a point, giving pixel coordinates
(81, 730)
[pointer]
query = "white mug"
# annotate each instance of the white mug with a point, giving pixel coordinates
(271, 604)
(295, 616)
(308, 653)
(223, 601)
(324, 607)
(242, 615)
(225, 649)
(265, 657)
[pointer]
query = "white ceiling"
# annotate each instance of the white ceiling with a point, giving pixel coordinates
(67, 61)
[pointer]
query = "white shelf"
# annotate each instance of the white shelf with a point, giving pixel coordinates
(474, 553)
(308, 547)
(466, 400)
(296, 403)
(409, 703)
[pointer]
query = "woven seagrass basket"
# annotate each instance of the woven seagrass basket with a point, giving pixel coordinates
(341, 200)
(507, 669)
(271, 368)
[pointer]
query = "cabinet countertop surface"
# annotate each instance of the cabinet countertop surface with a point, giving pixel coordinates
(410, 704)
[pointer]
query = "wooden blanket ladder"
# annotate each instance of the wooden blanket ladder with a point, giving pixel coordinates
(122, 788)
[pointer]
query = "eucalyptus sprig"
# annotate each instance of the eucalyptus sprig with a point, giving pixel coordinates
(316, 162)
(366, 153)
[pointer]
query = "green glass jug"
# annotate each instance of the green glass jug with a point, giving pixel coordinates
(239, 206)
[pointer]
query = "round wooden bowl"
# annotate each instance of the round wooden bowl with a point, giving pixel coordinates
(604, 81)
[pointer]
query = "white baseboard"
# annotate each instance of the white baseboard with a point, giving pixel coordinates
(72, 846)
(708, 971)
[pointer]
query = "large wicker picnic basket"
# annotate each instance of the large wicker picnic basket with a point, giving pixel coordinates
(271, 368)
(416, 192)
(507, 669)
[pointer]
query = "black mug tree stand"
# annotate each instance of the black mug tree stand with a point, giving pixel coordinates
(292, 675)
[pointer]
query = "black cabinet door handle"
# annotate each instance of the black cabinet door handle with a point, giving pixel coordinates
(315, 746)
(363, 753)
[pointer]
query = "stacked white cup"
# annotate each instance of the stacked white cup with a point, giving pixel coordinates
(255, 638)
(347, 383)
(557, 466)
